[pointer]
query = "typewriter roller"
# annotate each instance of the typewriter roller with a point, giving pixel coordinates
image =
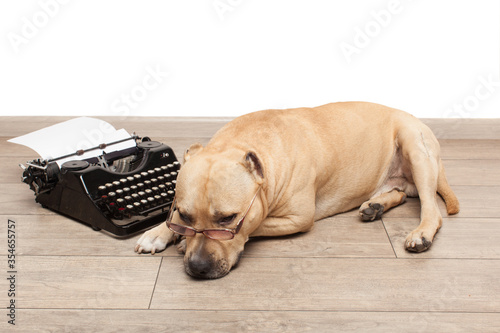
(123, 192)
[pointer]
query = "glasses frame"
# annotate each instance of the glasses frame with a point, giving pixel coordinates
(206, 232)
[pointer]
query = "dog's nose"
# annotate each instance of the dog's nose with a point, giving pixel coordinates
(199, 266)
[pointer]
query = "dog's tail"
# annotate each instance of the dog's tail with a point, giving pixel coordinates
(445, 191)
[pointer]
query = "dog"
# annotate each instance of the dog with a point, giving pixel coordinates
(275, 172)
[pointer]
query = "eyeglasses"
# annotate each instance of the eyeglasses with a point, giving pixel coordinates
(216, 234)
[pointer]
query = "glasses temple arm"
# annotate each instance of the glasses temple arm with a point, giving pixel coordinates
(240, 223)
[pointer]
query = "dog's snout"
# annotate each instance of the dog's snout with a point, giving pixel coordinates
(199, 266)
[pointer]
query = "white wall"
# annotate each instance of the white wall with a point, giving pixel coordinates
(229, 57)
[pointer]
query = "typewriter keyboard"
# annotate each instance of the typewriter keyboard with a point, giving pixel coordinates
(138, 194)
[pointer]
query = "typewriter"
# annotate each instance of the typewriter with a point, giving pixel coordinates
(122, 192)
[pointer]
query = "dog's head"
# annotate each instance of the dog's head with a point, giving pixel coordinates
(214, 190)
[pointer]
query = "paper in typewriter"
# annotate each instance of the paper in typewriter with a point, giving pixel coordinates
(73, 135)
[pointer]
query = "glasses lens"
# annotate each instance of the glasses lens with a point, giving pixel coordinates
(182, 230)
(219, 234)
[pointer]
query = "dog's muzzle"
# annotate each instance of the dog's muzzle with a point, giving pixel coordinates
(206, 267)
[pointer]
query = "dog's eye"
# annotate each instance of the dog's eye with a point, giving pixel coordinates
(184, 218)
(227, 219)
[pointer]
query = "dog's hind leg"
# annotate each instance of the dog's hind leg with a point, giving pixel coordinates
(421, 151)
(377, 205)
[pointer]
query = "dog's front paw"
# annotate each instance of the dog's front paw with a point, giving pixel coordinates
(372, 212)
(154, 240)
(181, 246)
(417, 242)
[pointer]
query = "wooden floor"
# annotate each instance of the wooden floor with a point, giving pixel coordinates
(344, 275)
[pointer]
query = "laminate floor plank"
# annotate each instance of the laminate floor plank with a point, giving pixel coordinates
(336, 284)
(473, 172)
(474, 238)
(53, 235)
(85, 282)
(17, 199)
(470, 149)
(336, 236)
(464, 128)
(41, 320)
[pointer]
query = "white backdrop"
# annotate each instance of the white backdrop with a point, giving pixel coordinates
(229, 57)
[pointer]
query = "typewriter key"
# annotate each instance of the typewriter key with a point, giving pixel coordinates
(147, 183)
(128, 199)
(154, 182)
(173, 174)
(111, 196)
(120, 202)
(162, 187)
(164, 168)
(129, 210)
(133, 189)
(112, 206)
(171, 193)
(151, 201)
(137, 206)
(123, 182)
(116, 184)
(120, 214)
(102, 190)
(158, 171)
(119, 193)
(164, 197)
(140, 186)
(177, 165)
(155, 190)
(169, 186)
(144, 204)
(109, 186)
(157, 199)
(168, 177)
(161, 179)
(151, 173)
(142, 194)
(130, 180)
(144, 175)
(127, 191)
(135, 197)
(137, 178)
(170, 167)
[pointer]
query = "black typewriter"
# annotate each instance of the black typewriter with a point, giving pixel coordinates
(122, 192)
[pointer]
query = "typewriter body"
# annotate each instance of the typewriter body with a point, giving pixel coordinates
(122, 192)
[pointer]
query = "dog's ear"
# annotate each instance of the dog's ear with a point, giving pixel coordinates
(253, 164)
(194, 149)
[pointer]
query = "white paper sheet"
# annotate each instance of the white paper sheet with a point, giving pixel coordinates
(73, 135)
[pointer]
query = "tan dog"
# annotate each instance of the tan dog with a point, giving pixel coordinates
(304, 164)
